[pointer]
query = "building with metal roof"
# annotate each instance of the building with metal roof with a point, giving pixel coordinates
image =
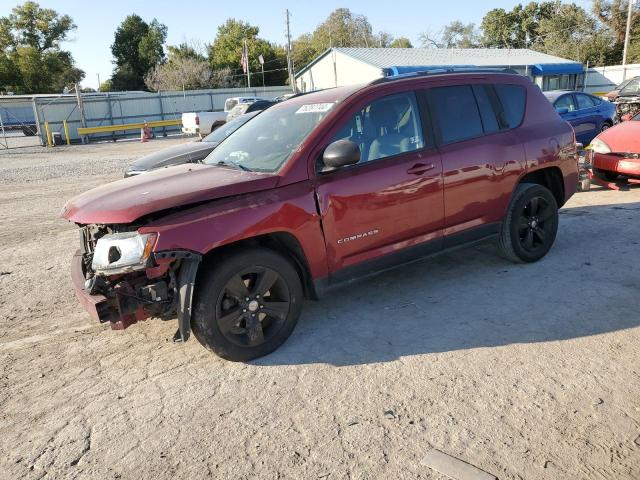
(348, 66)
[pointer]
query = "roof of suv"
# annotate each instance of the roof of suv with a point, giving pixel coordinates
(337, 94)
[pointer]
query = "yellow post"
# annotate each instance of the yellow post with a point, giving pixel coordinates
(66, 131)
(48, 132)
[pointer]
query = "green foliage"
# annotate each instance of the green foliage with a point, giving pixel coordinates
(226, 52)
(401, 42)
(342, 28)
(459, 35)
(31, 60)
(517, 28)
(184, 50)
(137, 48)
(105, 86)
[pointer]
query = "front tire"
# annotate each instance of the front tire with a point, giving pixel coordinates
(531, 224)
(247, 305)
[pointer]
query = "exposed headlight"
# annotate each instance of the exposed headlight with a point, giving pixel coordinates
(599, 146)
(122, 252)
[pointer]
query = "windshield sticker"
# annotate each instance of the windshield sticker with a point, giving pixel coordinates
(315, 108)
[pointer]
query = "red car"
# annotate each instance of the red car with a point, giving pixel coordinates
(319, 190)
(617, 151)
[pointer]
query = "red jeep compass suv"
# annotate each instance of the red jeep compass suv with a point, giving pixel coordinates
(321, 189)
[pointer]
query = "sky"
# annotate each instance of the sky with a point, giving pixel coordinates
(199, 19)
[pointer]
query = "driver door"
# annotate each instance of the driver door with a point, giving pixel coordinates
(392, 199)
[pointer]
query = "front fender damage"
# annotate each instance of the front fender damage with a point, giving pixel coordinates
(186, 284)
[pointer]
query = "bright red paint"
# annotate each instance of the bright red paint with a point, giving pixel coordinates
(405, 200)
(624, 142)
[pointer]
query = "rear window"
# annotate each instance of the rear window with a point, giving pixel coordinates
(456, 112)
(513, 100)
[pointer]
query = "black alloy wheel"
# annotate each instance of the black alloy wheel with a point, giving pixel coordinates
(253, 306)
(533, 223)
(529, 228)
(246, 303)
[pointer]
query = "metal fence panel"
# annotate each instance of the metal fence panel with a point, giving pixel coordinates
(121, 108)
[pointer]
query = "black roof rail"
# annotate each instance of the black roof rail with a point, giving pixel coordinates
(441, 71)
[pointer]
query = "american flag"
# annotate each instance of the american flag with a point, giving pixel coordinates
(244, 61)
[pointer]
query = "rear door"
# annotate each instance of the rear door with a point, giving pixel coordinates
(481, 156)
(392, 199)
(587, 121)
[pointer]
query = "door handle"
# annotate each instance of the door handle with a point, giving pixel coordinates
(421, 168)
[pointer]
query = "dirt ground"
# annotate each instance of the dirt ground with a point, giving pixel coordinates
(525, 371)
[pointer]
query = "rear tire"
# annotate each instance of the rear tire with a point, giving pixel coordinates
(530, 225)
(247, 305)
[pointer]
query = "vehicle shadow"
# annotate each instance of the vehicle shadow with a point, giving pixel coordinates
(471, 298)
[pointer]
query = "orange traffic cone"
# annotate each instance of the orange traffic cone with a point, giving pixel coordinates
(145, 133)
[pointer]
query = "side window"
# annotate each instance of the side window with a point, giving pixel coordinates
(583, 101)
(487, 114)
(565, 102)
(513, 100)
(389, 126)
(632, 87)
(456, 113)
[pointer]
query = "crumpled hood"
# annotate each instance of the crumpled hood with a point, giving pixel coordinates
(126, 200)
(623, 138)
(183, 153)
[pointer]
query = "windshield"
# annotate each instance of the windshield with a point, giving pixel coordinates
(267, 142)
(637, 117)
(222, 132)
(623, 84)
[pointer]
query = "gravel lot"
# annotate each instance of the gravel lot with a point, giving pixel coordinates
(526, 371)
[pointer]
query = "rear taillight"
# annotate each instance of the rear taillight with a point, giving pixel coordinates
(197, 120)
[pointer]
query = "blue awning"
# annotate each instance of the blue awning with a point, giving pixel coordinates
(404, 69)
(557, 69)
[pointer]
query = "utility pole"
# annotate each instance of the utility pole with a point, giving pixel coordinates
(627, 37)
(292, 80)
(98, 89)
(80, 109)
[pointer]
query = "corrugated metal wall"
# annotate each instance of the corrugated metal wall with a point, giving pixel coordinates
(131, 107)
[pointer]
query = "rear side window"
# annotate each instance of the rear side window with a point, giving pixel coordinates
(487, 114)
(513, 99)
(456, 111)
(583, 101)
(565, 101)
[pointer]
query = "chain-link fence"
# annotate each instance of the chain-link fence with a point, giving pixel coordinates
(29, 120)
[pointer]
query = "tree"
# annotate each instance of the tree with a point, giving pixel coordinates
(454, 35)
(186, 69)
(401, 42)
(137, 48)
(186, 50)
(226, 52)
(517, 28)
(342, 28)
(31, 60)
(570, 32)
(459, 35)
(613, 15)
(105, 86)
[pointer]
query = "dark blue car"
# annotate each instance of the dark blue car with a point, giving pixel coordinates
(587, 114)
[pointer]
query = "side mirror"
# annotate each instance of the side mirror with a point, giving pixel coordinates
(562, 110)
(340, 154)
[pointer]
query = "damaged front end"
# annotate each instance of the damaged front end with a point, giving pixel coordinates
(627, 107)
(120, 279)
